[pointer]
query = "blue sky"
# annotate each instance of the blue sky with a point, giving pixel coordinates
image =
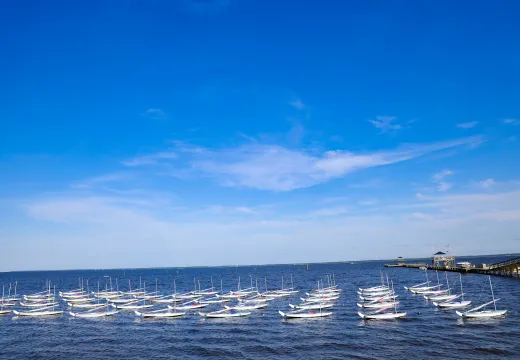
(176, 133)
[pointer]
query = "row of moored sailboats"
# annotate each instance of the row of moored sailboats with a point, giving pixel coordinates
(445, 299)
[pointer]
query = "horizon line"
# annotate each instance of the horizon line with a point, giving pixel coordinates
(252, 265)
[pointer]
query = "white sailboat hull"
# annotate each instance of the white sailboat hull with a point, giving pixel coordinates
(37, 313)
(387, 316)
(378, 305)
(131, 307)
(304, 315)
(93, 314)
(159, 315)
(482, 314)
(452, 305)
(224, 315)
(188, 307)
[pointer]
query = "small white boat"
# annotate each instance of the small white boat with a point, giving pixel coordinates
(94, 313)
(38, 304)
(257, 299)
(382, 316)
(378, 298)
(452, 304)
(191, 305)
(214, 300)
(312, 306)
(434, 292)
(122, 300)
(418, 286)
(39, 312)
(244, 307)
(378, 305)
(304, 314)
(83, 305)
(3, 303)
(162, 313)
(225, 313)
(425, 290)
(131, 306)
(475, 313)
(441, 297)
(321, 299)
(79, 300)
(373, 289)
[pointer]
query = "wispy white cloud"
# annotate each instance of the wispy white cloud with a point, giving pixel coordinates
(100, 180)
(151, 159)
(385, 123)
(277, 168)
(469, 219)
(439, 179)
(298, 104)
(368, 202)
(467, 125)
(325, 212)
(513, 122)
(485, 184)
(156, 114)
(369, 184)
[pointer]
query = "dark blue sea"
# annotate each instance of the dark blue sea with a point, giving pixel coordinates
(427, 333)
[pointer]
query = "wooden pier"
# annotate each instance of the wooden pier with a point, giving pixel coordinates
(509, 268)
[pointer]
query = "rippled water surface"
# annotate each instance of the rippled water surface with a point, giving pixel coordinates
(426, 333)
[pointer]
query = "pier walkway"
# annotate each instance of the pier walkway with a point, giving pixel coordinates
(509, 268)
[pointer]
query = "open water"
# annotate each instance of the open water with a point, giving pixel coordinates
(427, 333)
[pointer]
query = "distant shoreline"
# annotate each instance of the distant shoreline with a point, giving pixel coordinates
(257, 265)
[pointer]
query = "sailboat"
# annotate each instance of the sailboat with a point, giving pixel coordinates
(135, 304)
(475, 313)
(454, 304)
(41, 311)
(420, 286)
(2, 311)
(224, 313)
(95, 312)
(162, 313)
(189, 305)
(306, 312)
(444, 296)
(381, 315)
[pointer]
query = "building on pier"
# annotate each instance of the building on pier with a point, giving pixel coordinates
(442, 259)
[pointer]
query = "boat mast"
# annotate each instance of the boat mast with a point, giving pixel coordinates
(493, 295)
(461, 291)
(447, 283)
(3, 291)
(292, 285)
(174, 295)
(395, 302)
(144, 290)
(117, 286)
